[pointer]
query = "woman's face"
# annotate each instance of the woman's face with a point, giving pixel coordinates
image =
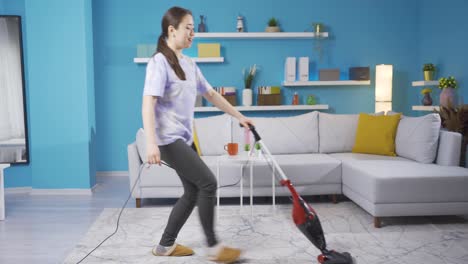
(185, 33)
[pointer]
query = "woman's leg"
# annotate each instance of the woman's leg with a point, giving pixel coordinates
(199, 188)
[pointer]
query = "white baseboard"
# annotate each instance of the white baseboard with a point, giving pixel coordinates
(16, 190)
(112, 173)
(62, 191)
(31, 191)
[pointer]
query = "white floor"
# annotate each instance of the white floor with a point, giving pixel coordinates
(45, 228)
(272, 238)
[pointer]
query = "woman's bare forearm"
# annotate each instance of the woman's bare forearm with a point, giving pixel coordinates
(217, 100)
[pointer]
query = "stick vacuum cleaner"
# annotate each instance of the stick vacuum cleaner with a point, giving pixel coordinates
(304, 216)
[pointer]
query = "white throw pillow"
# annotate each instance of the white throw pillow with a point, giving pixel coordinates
(284, 135)
(213, 133)
(417, 138)
(337, 133)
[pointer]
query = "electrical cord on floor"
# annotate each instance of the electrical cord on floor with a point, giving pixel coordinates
(130, 195)
(121, 210)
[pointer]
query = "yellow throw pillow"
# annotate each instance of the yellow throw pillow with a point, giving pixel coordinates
(195, 141)
(376, 134)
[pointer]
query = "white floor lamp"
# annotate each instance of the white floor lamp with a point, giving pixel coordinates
(383, 87)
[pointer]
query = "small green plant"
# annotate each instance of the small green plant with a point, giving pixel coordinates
(273, 22)
(426, 91)
(318, 27)
(429, 67)
(249, 76)
(449, 82)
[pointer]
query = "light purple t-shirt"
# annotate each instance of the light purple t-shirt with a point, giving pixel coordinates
(174, 111)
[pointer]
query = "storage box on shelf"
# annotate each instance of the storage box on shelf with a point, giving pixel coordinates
(269, 99)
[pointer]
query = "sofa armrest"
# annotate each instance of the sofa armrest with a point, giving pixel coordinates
(448, 153)
(134, 163)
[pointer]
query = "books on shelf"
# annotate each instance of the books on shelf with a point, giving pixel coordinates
(269, 90)
(229, 93)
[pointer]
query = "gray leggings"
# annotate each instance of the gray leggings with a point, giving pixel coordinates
(199, 189)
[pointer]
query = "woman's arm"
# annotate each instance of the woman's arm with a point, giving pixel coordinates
(217, 100)
(147, 111)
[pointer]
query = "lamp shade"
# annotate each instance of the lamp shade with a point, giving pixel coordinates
(383, 87)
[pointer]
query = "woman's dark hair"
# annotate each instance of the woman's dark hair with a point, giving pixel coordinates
(172, 17)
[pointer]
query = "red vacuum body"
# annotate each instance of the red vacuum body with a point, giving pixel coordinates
(304, 216)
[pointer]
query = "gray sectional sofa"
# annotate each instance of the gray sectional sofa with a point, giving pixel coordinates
(314, 150)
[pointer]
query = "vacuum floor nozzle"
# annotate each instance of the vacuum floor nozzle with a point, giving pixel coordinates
(333, 257)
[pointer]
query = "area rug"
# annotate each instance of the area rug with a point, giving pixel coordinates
(270, 236)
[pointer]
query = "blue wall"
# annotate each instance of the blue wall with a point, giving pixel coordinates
(60, 94)
(443, 39)
(363, 33)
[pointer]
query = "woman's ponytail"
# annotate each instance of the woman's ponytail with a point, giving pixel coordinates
(171, 57)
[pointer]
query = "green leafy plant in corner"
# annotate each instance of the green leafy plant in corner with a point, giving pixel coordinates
(273, 22)
(428, 67)
(449, 82)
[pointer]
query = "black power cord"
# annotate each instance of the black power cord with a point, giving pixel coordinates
(129, 196)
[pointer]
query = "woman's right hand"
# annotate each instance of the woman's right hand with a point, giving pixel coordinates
(153, 154)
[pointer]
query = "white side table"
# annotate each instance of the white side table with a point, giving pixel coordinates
(2, 191)
(243, 158)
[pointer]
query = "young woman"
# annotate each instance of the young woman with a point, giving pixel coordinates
(171, 85)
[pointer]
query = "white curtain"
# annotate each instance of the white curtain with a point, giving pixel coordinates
(11, 92)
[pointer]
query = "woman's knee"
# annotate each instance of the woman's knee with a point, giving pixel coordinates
(209, 186)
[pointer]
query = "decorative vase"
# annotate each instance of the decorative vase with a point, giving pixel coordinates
(447, 97)
(427, 99)
(247, 97)
(428, 75)
(201, 26)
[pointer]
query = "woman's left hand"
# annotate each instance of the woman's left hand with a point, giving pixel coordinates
(244, 121)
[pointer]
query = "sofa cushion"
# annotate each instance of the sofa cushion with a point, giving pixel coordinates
(376, 134)
(162, 176)
(141, 144)
(400, 181)
(337, 132)
(301, 169)
(346, 157)
(417, 137)
(285, 135)
(159, 176)
(213, 133)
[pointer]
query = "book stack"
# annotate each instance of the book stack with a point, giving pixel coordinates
(229, 93)
(269, 95)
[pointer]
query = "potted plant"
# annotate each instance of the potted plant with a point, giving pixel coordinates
(429, 70)
(448, 86)
(427, 100)
(273, 25)
(318, 27)
(249, 77)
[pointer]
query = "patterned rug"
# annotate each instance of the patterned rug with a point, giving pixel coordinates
(268, 236)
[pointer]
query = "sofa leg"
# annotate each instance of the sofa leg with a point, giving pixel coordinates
(334, 198)
(377, 222)
(138, 202)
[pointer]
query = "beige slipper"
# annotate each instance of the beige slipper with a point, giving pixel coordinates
(226, 255)
(175, 251)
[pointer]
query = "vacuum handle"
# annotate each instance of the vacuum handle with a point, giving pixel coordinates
(254, 132)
